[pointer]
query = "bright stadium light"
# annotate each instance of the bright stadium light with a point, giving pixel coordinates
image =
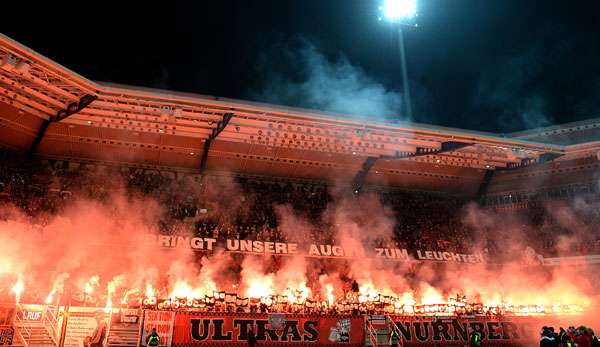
(395, 10)
(401, 13)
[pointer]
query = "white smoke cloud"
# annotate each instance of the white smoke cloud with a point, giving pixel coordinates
(328, 85)
(507, 89)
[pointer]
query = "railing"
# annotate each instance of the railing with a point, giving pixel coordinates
(24, 329)
(372, 333)
(394, 328)
(20, 339)
(108, 328)
(50, 321)
(21, 325)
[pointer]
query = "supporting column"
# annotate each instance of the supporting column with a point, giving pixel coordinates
(359, 179)
(215, 132)
(38, 138)
(485, 183)
(71, 109)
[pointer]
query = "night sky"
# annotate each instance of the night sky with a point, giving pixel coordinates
(493, 65)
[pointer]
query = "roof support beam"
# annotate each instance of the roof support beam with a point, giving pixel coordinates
(485, 183)
(38, 138)
(73, 108)
(359, 179)
(546, 157)
(543, 158)
(446, 146)
(489, 174)
(215, 132)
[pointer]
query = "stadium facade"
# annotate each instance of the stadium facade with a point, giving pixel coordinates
(49, 111)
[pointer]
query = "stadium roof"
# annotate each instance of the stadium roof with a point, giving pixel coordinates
(50, 111)
(564, 134)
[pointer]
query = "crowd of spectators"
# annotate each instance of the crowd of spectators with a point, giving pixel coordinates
(580, 337)
(250, 207)
(561, 228)
(429, 221)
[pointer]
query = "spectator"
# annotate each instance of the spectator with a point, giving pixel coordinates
(547, 338)
(583, 337)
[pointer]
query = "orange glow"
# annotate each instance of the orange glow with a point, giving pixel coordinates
(94, 281)
(149, 290)
(329, 294)
(260, 287)
(49, 298)
(110, 292)
(431, 296)
(297, 295)
(18, 289)
(183, 289)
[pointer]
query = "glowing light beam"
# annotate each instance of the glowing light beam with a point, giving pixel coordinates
(395, 10)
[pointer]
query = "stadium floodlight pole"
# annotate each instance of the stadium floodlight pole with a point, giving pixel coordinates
(401, 13)
(404, 74)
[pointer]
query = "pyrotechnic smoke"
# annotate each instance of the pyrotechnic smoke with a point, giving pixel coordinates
(101, 247)
(58, 287)
(254, 280)
(508, 89)
(88, 245)
(333, 85)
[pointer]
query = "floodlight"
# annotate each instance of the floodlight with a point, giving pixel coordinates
(399, 9)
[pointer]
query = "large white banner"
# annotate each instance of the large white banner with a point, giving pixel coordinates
(311, 250)
(81, 324)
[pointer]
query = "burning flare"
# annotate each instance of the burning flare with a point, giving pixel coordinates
(18, 289)
(89, 286)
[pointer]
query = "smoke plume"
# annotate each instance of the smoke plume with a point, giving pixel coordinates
(96, 247)
(305, 77)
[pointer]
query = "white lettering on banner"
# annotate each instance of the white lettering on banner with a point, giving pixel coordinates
(392, 253)
(250, 246)
(245, 245)
(186, 241)
(313, 250)
(331, 251)
(325, 250)
(449, 256)
(258, 247)
(164, 241)
(197, 243)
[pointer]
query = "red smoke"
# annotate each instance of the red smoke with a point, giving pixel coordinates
(90, 239)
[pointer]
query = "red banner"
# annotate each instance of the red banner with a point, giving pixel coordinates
(194, 329)
(451, 331)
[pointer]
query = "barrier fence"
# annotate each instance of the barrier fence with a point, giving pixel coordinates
(71, 326)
